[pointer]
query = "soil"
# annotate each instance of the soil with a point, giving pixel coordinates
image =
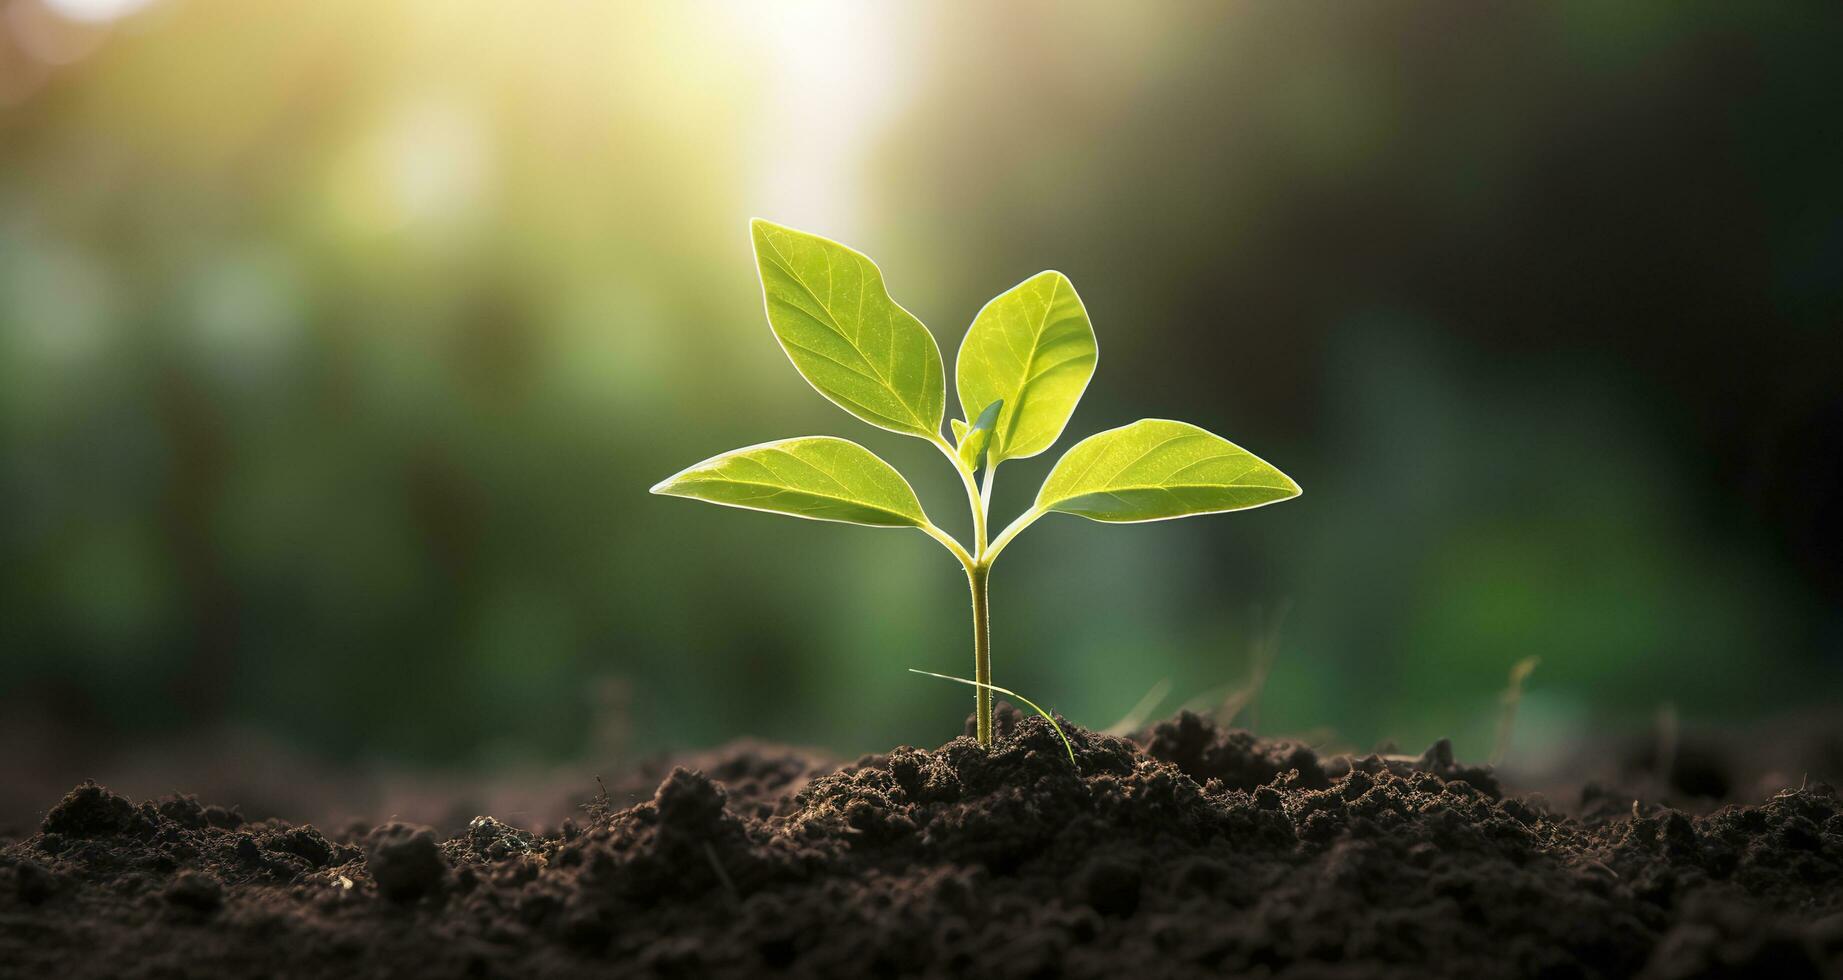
(1187, 850)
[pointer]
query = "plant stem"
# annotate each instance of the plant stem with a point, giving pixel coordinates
(947, 541)
(982, 650)
(978, 567)
(1024, 520)
(973, 499)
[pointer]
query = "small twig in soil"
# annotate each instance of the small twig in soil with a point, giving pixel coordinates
(599, 805)
(722, 875)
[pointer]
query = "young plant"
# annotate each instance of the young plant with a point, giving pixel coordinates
(1024, 364)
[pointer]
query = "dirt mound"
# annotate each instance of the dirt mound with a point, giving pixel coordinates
(1189, 851)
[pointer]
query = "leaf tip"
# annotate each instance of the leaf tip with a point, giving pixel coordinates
(760, 227)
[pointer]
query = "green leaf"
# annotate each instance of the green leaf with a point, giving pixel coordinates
(847, 337)
(959, 431)
(1033, 347)
(817, 477)
(974, 441)
(1156, 469)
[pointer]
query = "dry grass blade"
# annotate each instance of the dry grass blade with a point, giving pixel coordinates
(1011, 694)
(1513, 695)
(1137, 716)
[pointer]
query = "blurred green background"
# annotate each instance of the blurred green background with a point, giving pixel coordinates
(340, 341)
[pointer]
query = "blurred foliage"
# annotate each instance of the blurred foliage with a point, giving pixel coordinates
(339, 343)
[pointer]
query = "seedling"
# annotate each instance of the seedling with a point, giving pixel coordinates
(1022, 367)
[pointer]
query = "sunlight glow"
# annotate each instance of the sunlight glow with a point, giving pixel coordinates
(838, 71)
(427, 160)
(94, 11)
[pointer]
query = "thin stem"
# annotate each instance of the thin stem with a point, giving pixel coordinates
(973, 499)
(982, 651)
(978, 568)
(947, 541)
(1017, 527)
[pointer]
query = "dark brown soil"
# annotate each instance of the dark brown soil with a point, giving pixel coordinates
(1190, 851)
